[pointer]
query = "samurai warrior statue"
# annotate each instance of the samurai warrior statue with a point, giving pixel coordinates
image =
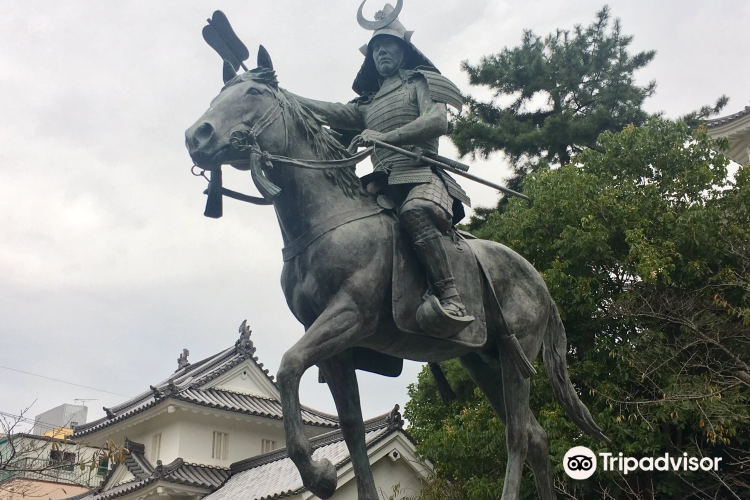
(403, 101)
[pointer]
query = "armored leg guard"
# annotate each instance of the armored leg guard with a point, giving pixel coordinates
(433, 256)
(443, 314)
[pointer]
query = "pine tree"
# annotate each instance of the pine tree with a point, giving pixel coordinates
(564, 90)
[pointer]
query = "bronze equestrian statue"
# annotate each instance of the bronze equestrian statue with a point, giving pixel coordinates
(351, 274)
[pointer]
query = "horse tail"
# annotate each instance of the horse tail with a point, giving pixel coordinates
(553, 353)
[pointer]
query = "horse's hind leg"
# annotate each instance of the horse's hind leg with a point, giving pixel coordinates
(539, 460)
(342, 381)
(510, 401)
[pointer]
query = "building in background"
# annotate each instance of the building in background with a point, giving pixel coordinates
(65, 416)
(214, 429)
(44, 466)
(736, 128)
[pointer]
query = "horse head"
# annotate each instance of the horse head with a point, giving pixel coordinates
(255, 125)
(242, 115)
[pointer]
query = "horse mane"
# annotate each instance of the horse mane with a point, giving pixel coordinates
(312, 126)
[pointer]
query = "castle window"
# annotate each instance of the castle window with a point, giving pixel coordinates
(155, 447)
(267, 445)
(221, 441)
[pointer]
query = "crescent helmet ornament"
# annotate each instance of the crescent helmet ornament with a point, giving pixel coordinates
(378, 23)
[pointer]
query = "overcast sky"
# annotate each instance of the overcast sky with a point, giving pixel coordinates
(108, 268)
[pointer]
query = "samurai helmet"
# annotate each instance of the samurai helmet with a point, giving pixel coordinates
(386, 23)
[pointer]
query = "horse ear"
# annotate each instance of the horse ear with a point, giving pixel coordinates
(264, 58)
(229, 71)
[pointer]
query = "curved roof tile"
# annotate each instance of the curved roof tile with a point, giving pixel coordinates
(716, 122)
(177, 472)
(274, 475)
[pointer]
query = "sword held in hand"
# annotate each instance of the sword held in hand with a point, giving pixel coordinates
(447, 164)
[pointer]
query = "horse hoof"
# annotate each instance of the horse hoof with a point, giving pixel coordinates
(323, 478)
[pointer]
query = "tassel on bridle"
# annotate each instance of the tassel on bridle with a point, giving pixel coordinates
(258, 162)
(247, 140)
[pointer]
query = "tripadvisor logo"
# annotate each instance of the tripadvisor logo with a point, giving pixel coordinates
(580, 463)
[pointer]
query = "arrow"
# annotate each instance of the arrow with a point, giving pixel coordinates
(222, 38)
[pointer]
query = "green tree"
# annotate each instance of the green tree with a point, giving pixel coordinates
(553, 96)
(644, 243)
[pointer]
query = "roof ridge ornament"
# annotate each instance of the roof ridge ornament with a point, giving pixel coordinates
(133, 447)
(244, 345)
(182, 361)
(161, 471)
(165, 391)
(394, 419)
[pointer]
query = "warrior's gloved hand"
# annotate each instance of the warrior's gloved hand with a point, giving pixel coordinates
(366, 138)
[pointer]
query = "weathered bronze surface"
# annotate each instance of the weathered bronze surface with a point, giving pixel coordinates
(344, 274)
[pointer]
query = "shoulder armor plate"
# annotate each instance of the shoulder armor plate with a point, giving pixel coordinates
(442, 89)
(363, 99)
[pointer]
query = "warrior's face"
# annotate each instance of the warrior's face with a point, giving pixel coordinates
(388, 54)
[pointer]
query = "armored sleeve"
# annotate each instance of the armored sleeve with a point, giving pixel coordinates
(442, 89)
(336, 115)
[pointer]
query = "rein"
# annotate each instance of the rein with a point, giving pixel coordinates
(323, 164)
(259, 160)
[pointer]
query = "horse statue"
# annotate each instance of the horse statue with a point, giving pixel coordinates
(338, 280)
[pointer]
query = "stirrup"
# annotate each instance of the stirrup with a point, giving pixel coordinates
(434, 320)
(449, 305)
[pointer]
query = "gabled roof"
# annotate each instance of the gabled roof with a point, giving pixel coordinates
(253, 405)
(178, 472)
(274, 475)
(189, 384)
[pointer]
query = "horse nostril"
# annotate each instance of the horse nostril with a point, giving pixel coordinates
(204, 131)
(199, 137)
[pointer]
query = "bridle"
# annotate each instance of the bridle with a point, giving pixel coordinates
(246, 140)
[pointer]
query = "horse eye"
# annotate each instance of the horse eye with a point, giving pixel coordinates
(253, 91)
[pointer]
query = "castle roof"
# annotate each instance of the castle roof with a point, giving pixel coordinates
(200, 384)
(274, 475)
(144, 474)
(735, 127)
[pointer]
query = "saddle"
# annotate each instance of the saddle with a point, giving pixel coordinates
(411, 287)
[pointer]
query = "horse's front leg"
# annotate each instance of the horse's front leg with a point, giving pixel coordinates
(343, 324)
(342, 380)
